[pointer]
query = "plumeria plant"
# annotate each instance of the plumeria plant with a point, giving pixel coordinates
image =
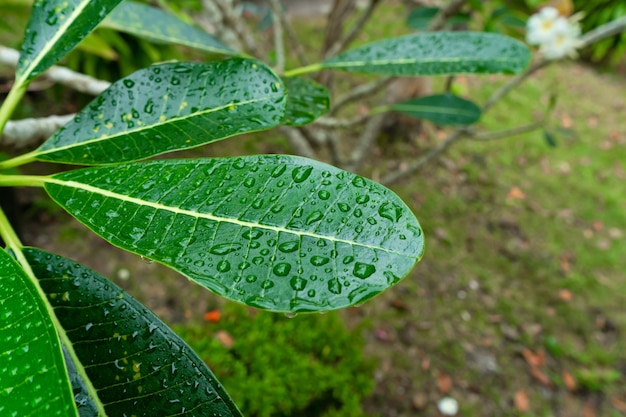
(276, 232)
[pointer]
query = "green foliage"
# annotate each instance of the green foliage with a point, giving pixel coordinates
(280, 233)
(596, 13)
(308, 366)
(441, 109)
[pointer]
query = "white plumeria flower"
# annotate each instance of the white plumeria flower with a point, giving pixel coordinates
(556, 36)
(541, 26)
(448, 406)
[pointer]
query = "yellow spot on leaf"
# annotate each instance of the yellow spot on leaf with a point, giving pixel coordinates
(162, 118)
(231, 107)
(139, 389)
(95, 129)
(53, 295)
(108, 125)
(66, 296)
(85, 155)
(183, 105)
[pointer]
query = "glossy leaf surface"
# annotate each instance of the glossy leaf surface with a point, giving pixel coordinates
(136, 363)
(55, 28)
(33, 380)
(436, 53)
(276, 232)
(306, 100)
(169, 107)
(441, 109)
(156, 25)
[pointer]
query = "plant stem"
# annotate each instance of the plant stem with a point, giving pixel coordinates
(304, 70)
(18, 160)
(10, 103)
(22, 180)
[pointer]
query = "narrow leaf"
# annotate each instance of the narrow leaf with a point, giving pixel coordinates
(156, 25)
(55, 28)
(549, 138)
(420, 18)
(441, 109)
(33, 380)
(306, 100)
(436, 53)
(281, 233)
(135, 362)
(170, 107)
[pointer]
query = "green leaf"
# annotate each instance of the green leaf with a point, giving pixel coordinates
(436, 53)
(158, 26)
(33, 380)
(421, 17)
(169, 107)
(282, 233)
(136, 363)
(550, 139)
(55, 28)
(306, 100)
(441, 109)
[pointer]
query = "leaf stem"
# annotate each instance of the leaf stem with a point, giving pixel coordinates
(18, 160)
(10, 103)
(304, 70)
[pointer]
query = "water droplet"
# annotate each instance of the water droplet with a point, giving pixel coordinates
(343, 207)
(249, 182)
(297, 283)
(319, 260)
(348, 259)
(129, 83)
(257, 260)
(323, 194)
(290, 315)
(225, 248)
(267, 284)
(314, 217)
(334, 286)
(371, 221)
(362, 270)
(251, 278)
(277, 208)
(311, 293)
(244, 265)
(149, 107)
(282, 269)
(278, 171)
(252, 234)
(300, 174)
(358, 213)
(257, 204)
(289, 247)
(359, 182)
(390, 211)
(358, 229)
(223, 266)
(362, 199)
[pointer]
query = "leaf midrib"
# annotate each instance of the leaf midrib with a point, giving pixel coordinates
(147, 127)
(208, 216)
(58, 35)
(432, 109)
(342, 64)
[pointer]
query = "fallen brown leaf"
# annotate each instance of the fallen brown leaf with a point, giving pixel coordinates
(521, 401)
(619, 404)
(588, 410)
(225, 339)
(212, 316)
(515, 193)
(425, 364)
(569, 381)
(540, 377)
(565, 295)
(444, 382)
(534, 360)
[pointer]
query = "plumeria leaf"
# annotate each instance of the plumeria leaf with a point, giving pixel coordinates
(55, 28)
(436, 53)
(156, 25)
(169, 107)
(134, 361)
(441, 109)
(306, 100)
(33, 380)
(281, 233)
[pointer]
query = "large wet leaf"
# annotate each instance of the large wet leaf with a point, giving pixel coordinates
(306, 100)
(169, 107)
(135, 362)
(281, 233)
(33, 380)
(55, 28)
(155, 25)
(436, 53)
(442, 109)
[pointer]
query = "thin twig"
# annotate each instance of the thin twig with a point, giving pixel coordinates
(337, 123)
(279, 44)
(487, 136)
(297, 141)
(237, 24)
(343, 43)
(359, 92)
(444, 14)
(77, 81)
(293, 39)
(364, 145)
(19, 134)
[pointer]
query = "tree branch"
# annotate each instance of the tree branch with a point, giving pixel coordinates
(359, 92)
(77, 81)
(31, 132)
(444, 14)
(279, 44)
(341, 44)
